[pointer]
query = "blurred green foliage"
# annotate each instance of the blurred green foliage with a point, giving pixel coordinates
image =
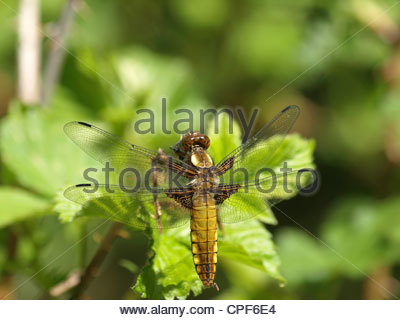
(123, 56)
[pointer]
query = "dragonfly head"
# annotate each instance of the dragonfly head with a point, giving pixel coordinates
(190, 140)
(192, 149)
(193, 139)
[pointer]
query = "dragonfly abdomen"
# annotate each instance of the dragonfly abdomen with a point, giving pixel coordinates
(204, 237)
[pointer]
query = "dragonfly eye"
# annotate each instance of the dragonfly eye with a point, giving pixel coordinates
(204, 141)
(191, 139)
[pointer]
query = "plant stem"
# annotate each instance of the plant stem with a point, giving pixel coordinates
(83, 246)
(57, 51)
(94, 266)
(29, 52)
(6, 283)
(382, 286)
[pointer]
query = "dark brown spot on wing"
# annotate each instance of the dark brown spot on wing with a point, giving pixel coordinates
(182, 196)
(223, 192)
(85, 124)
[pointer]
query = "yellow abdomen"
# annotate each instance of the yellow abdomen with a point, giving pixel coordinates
(204, 237)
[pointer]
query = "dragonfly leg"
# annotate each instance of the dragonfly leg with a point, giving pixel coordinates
(154, 174)
(215, 286)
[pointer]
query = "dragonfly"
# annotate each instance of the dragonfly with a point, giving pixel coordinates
(165, 191)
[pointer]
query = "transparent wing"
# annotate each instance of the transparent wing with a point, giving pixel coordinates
(252, 199)
(144, 165)
(256, 153)
(133, 208)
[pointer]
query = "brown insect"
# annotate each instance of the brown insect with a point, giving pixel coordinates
(169, 191)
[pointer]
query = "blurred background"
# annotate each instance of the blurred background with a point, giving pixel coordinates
(100, 61)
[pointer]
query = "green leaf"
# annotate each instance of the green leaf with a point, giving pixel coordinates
(294, 150)
(67, 209)
(35, 148)
(304, 259)
(170, 273)
(207, 14)
(374, 234)
(129, 265)
(17, 204)
(224, 133)
(146, 77)
(251, 244)
(359, 236)
(272, 56)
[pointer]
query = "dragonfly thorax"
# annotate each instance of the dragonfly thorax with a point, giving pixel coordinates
(200, 158)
